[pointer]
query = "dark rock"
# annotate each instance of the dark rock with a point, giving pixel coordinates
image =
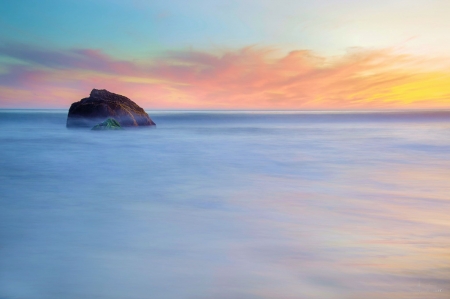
(101, 105)
(109, 124)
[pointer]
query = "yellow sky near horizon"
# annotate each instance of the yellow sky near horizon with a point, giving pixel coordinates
(247, 78)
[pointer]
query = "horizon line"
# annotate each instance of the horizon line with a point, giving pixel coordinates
(258, 110)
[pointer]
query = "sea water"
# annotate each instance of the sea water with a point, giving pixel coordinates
(224, 205)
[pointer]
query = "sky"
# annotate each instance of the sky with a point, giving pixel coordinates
(247, 54)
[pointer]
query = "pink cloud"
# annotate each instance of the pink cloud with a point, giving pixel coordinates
(249, 78)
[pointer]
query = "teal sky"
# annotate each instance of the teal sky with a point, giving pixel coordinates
(137, 28)
(247, 54)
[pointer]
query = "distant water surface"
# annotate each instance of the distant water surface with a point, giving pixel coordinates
(226, 205)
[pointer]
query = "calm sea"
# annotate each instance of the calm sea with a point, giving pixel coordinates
(226, 205)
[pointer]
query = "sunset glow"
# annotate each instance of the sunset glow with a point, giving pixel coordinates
(300, 62)
(249, 78)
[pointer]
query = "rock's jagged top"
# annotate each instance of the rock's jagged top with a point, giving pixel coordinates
(102, 104)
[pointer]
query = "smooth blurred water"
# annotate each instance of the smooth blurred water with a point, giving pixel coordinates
(226, 205)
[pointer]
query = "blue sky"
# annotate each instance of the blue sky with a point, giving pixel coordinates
(141, 27)
(146, 33)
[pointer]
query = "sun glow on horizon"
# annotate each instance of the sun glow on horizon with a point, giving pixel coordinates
(247, 78)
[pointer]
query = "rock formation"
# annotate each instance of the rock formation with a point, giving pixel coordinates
(109, 124)
(101, 105)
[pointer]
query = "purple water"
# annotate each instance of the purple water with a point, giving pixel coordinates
(226, 205)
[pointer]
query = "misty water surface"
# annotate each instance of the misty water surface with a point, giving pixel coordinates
(226, 205)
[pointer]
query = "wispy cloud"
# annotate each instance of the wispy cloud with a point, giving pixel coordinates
(249, 78)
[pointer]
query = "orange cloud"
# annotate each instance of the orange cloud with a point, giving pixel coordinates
(249, 78)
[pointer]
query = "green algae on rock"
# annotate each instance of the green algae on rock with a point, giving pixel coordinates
(109, 124)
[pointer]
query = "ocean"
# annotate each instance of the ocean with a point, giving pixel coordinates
(226, 205)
